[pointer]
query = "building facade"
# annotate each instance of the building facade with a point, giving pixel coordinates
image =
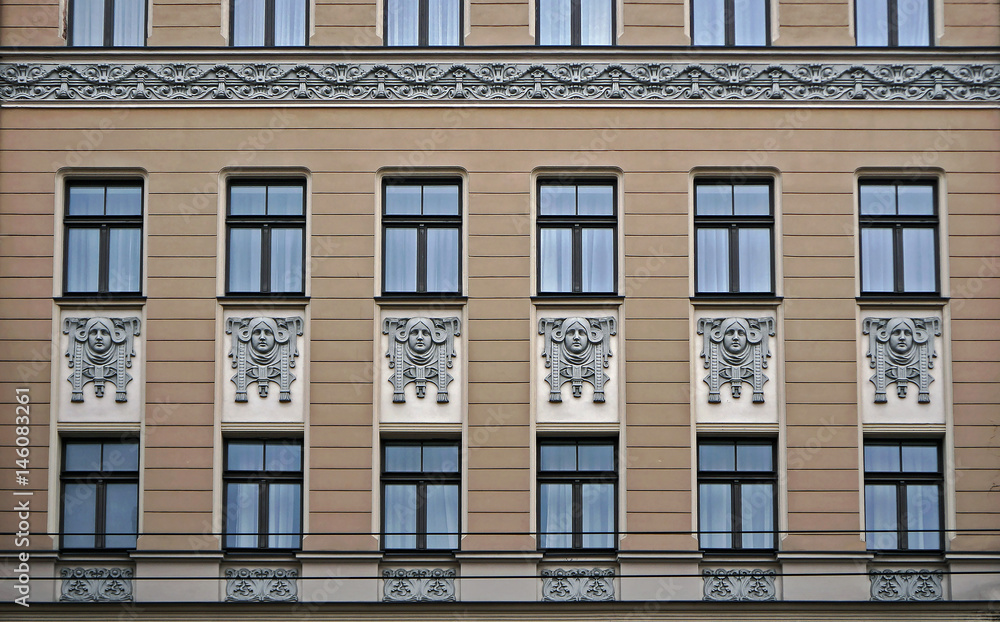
(597, 309)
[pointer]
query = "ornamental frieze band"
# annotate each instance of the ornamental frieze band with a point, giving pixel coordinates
(501, 81)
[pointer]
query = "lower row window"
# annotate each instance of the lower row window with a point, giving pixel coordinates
(263, 483)
(903, 482)
(736, 480)
(577, 494)
(100, 494)
(420, 493)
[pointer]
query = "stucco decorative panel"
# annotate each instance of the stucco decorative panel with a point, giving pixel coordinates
(104, 585)
(421, 350)
(263, 351)
(577, 350)
(100, 352)
(901, 351)
(261, 585)
(402, 585)
(726, 585)
(586, 584)
(913, 585)
(735, 351)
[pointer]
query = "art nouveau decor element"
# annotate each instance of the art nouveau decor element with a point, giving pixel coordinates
(577, 350)
(261, 585)
(264, 351)
(103, 585)
(421, 350)
(725, 585)
(402, 585)
(735, 351)
(901, 351)
(588, 584)
(100, 351)
(913, 585)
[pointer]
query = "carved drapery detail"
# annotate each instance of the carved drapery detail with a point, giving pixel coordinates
(577, 350)
(735, 351)
(917, 585)
(100, 351)
(418, 585)
(901, 351)
(102, 585)
(502, 80)
(261, 585)
(589, 584)
(722, 584)
(264, 351)
(421, 350)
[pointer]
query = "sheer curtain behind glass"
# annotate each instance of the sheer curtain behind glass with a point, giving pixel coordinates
(286, 260)
(913, 22)
(88, 22)
(83, 260)
(555, 22)
(750, 22)
(556, 261)
(595, 22)
(129, 22)
(872, 22)
(715, 511)
(598, 261)
(400, 516)
(283, 515)
(442, 516)
(443, 22)
(598, 508)
(403, 22)
(556, 513)
(289, 22)
(241, 515)
(248, 22)
(709, 22)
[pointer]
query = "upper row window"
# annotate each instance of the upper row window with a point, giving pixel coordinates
(107, 23)
(103, 241)
(270, 23)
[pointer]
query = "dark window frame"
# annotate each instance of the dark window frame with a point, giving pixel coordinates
(420, 479)
(104, 223)
(263, 479)
(892, 9)
(421, 223)
(576, 25)
(902, 479)
(736, 479)
(265, 223)
(269, 12)
(101, 479)
(730, 18)
(898, 223)
(577, 479)
(423, 26)
(734, 223)
(577, 224)
(109, 24)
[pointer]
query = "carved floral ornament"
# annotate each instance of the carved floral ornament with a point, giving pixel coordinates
(735, 351)
(901, 351)
(100, 351)
(577, 350)
(403, 585)
(261, 585)
(96, 585)
(421, 350)
(263, 351)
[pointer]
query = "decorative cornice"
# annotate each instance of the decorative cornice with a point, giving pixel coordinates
(261, 585)
(102, 585)
(501, 81)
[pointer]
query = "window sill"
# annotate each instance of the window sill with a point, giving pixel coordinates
(421, 557)
(728, 300)
(903, 300)
(100, 301)
(421, 298)
(738, 557)
(261, 555)
(256, 300)
(924, 556)
(587, 299)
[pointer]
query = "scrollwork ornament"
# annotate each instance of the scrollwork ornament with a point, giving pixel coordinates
(261, 585)
(577, 350)
(739, 585)
(421, 350)
(106, 585)
(735, 350)
(100, 352)
(402, 585)
(901, 351)
(906, 585)
(263, 351)
(578, 584)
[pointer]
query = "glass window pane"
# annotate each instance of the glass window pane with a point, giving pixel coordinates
(241, 515)
(289, 22)
(83, 457)
(83, 259)
(923, 514)
(86, 201)
(596, 200)
(284, 511)
(402, 200)
(715, 516)
(248, 200)
(753, 457)
(404, 458)
(558, 458)
(755, 260)
(440, 459)
(124, 201)
(881, 458)
(598, 508)
(442, 516)
(554, 22)
(286, 260)
(876, 260)
(752, 199)
(88, 22)
(556, 200)
(442, 260)
(400, 260)
(877, 200)
(444, 22)
(247, 456)
(284, 200)
(913, 22)
(920, 459)
(880, 517)
(403, 24)
(440, 200)
(750, 22)
(715, 457)
(595, 22)
(556, 260)
(872, 22)
(282, 457)
(713, 260)
(244, 260)
(130, 22)
(121, 522)
(916, 200)
(248, 22)
(119, 457)
(555, 509)
(124, 259)
(714, 199)
(757, 511)
(79, 515)
(596, 457)
(919, 260)
(709, 22)
(400, 512)
(598, 260)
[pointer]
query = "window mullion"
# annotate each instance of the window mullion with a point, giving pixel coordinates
(104, 259)
(577, 514)
(100, 524)
(577, 258)
(897, 258)
(730, 19)
(737, 505)
(734, 258)
(109, 23)
(262, 526)
(269, 23)
(423, 26)
(576, 23)
(421, 516)
(421, 258)
(265, 258)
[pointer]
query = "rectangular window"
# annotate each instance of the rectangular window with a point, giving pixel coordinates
(420, 496)
(899, 233)
(575, 22)
(734, 237)
(263, 494)
(107, 23)
(736, 482)
(103, 242)
(423, 23)
(421, 236)
(265, 224)
(268, 23)
(903, 490)
(100, 494)
(892, 23)
(577, 494)
(577, 237)
(730, 22)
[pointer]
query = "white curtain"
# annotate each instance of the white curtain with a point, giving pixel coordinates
(289, 22)
(715, 511)
(709, 23)
(83, 252)
(241, 515)
(79, 515)
(913, 22)
(400, 260)
(598, 508)
(554, 22)
(443, 22)
(750, 22)
(130, 22)
(124, 259)
(755, 260)
(400, 512)
(402, 27)
(442, 260)
(286, 260)
(922, 517)
(244, 260)
(876, 260)
(597, 274)
(713, 260)
(283, 515)
(919, 265)
(556, 261)
(248, 22)
(122, 515)
(556, 514)
(757, 513)
(595, 22)
(880, 516)
(88, 22)
(442, 516)
(871, 22)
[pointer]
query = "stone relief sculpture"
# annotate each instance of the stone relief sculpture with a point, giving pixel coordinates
(264, 351)
(102, 585)
(261, 585)
(901, 351)
(578, 584)
(577, 350)
(421, 350)
(906, 585)
(735, 351)
(739, 585)
(403, 585)
(100, 351)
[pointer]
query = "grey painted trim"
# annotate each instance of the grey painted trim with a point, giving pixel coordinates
(269, 585)
(418, 585)
(729, 585)
(502, 81)
(101, 585)
(263, 351)
(96, 358)
(906, 585)
(901, 351)
(586, 584)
